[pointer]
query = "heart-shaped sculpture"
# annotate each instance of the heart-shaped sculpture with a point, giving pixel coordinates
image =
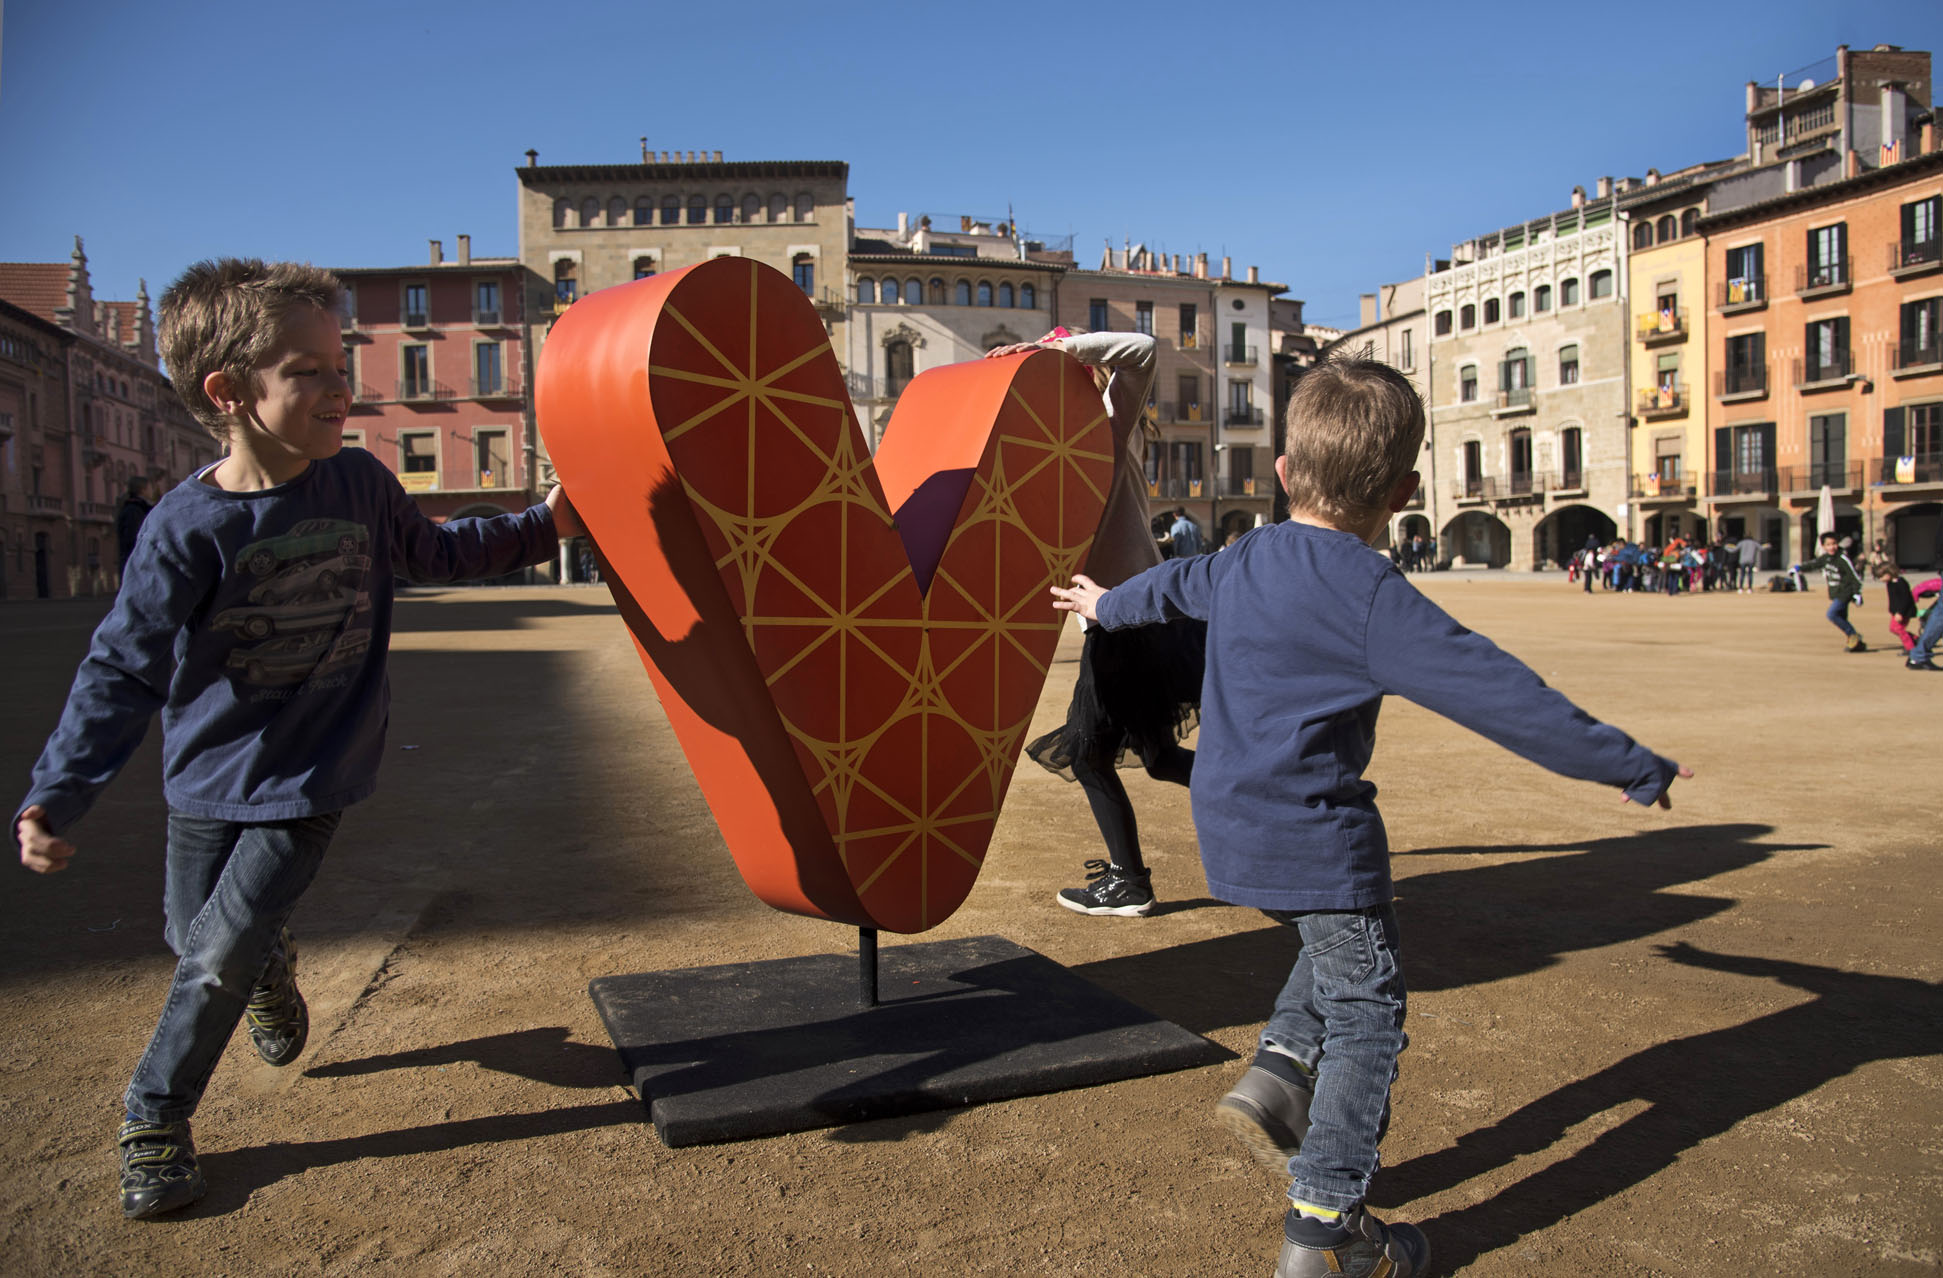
(849, 652)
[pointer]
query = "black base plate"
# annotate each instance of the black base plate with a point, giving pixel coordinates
(757, 1049)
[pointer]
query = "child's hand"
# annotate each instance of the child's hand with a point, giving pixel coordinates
(1666, 796)
(1016, 348)
(40, 851)
(566, 520)
(1082, 597)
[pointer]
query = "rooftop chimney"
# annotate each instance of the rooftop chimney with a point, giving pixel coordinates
(438, 252)
(718, 157)
(1652, 177)
(1605, 187)
(465, 250)
(1254, 275)
(1227, 267)
(1200, 266)
(532, 158)
(1578, 197)
(1368, 312)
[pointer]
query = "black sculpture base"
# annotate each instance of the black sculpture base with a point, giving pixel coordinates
(757, 1049)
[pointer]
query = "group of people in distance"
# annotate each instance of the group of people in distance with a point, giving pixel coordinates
(1283, 643)
(1679, 567)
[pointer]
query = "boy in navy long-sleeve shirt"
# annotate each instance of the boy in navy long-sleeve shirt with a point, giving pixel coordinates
(1308, 630)
(255, 614)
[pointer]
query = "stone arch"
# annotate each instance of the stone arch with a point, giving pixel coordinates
(1562, 532)
(1477, 538)
(1911, 531)
(1000, 336)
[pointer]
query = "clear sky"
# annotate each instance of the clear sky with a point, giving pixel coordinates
(1333, 145)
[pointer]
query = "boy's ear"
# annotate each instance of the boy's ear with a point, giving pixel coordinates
(1406, 489)
(223, 392)
(1282, 472)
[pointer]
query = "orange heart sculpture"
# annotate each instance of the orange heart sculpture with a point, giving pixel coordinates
(849, 651)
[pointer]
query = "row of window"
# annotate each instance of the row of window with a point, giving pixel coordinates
(1598, 285)
(1647, 232)
(489, 374)
(1826, 353)
(674, 210)
(890, 291)
(1826, 263)
(414, 305)
(1571, 455)
(417, 460)
(1518, 375)
(1908, 430)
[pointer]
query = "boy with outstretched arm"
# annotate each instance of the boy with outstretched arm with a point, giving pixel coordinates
(1308, 630)
(1844, 582)
(255, 614)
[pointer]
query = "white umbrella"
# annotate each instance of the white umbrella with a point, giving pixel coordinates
(1825, 513)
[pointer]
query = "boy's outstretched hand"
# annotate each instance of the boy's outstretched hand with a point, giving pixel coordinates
(1666, 796)
(1080, 597)
(566, 520)
(41, 851)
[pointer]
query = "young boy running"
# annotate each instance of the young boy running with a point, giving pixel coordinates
(255, 614)
(1308, 630)
(1844, 582)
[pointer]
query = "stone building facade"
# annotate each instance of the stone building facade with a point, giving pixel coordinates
(1527, 388)
(1394, 327)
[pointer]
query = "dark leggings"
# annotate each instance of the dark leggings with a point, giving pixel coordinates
(1094, 769)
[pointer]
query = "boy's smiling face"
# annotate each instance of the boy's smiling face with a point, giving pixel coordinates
(300, 395)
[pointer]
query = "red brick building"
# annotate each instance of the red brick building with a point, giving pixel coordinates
(439, 370)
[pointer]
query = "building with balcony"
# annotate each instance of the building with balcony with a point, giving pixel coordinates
(84, 408)
(1395, 328)
(1828, 371)
(1526, 387)
(584, 227)
(1213, 385)
(439, 372)
(922, 297)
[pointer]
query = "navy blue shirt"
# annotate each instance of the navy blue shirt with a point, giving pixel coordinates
(259, 623)
(1308, 630)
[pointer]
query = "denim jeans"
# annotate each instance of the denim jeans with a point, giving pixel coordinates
(1838, 615)
(1925, 648)
(230, 888)
(1341, 1014)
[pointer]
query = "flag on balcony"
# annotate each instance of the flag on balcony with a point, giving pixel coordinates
(1653, 484)
(1905, 470)
(1891, 153)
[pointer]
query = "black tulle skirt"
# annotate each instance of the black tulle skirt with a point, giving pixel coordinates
(1138, 694)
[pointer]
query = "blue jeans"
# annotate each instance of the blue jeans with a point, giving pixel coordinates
(230, 888)
(1341, 1014)
(1925, 648)
(1838, 615)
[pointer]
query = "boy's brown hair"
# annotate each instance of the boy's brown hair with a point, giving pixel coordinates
(1355, 426)
(226, 316)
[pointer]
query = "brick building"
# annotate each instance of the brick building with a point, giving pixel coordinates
(439, 372)
(84, 408)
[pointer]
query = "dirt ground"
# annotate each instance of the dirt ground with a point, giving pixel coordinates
(1643, 1042)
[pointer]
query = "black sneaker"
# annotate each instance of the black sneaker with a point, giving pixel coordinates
(1359, 1246)
(278, 1017)
(1268, 1110)
(1922, 665)
(1855, 644)
(1111, 890)
(158, 1168)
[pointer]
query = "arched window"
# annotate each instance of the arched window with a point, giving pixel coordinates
(1005, 295)
(804, 206)
(670, 210)
(644, 211)
(1601, 283)
(616, 211)
(724, 208)
(1568, 292)
(1541, 298)
(984, 292)
(866, 290)
(1690, 221)
(897, 368)
(1642, 234)
(778, 207)
(562, 212)
(1490, 310)
(752, 207)
(914, 293)
(589, 211)
(890, 291)
(1442, 325)
(1467, 316)
(935, 291)
(1515, 306)
(697, 209)
(1029, 296)
(961, 293)
(1665, 228)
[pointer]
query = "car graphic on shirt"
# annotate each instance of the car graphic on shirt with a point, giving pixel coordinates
(295, 658)
(261, 619)
(312, 579)
(309, 538)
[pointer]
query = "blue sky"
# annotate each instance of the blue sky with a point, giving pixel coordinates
(1332, 145)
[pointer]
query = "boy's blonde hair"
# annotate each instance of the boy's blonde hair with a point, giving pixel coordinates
(1355, 426)
(226, 316)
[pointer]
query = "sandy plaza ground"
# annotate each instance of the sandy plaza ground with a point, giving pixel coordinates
(1697, 1041)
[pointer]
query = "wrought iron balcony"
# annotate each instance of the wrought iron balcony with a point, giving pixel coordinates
(1173, 411)
(412, 391)
(1661, 327)
(1744, 294)
(1241, 415)
(1803, 480)
(1741, 383)
(503, 387)
(1518, 399)
(1818, 279)
(1743, 483)
(1914, 257)
(1233, 354)
(1925, 468)
(1914, 357)
(1662, 401)
(1656, 485)
(1822, 374)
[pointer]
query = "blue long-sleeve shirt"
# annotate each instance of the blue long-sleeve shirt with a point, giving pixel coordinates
(1308, 630)
(258, 623)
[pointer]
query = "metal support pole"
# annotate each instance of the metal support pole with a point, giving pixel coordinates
(867, 966)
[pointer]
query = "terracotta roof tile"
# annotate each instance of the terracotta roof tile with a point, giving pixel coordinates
(40, 287)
